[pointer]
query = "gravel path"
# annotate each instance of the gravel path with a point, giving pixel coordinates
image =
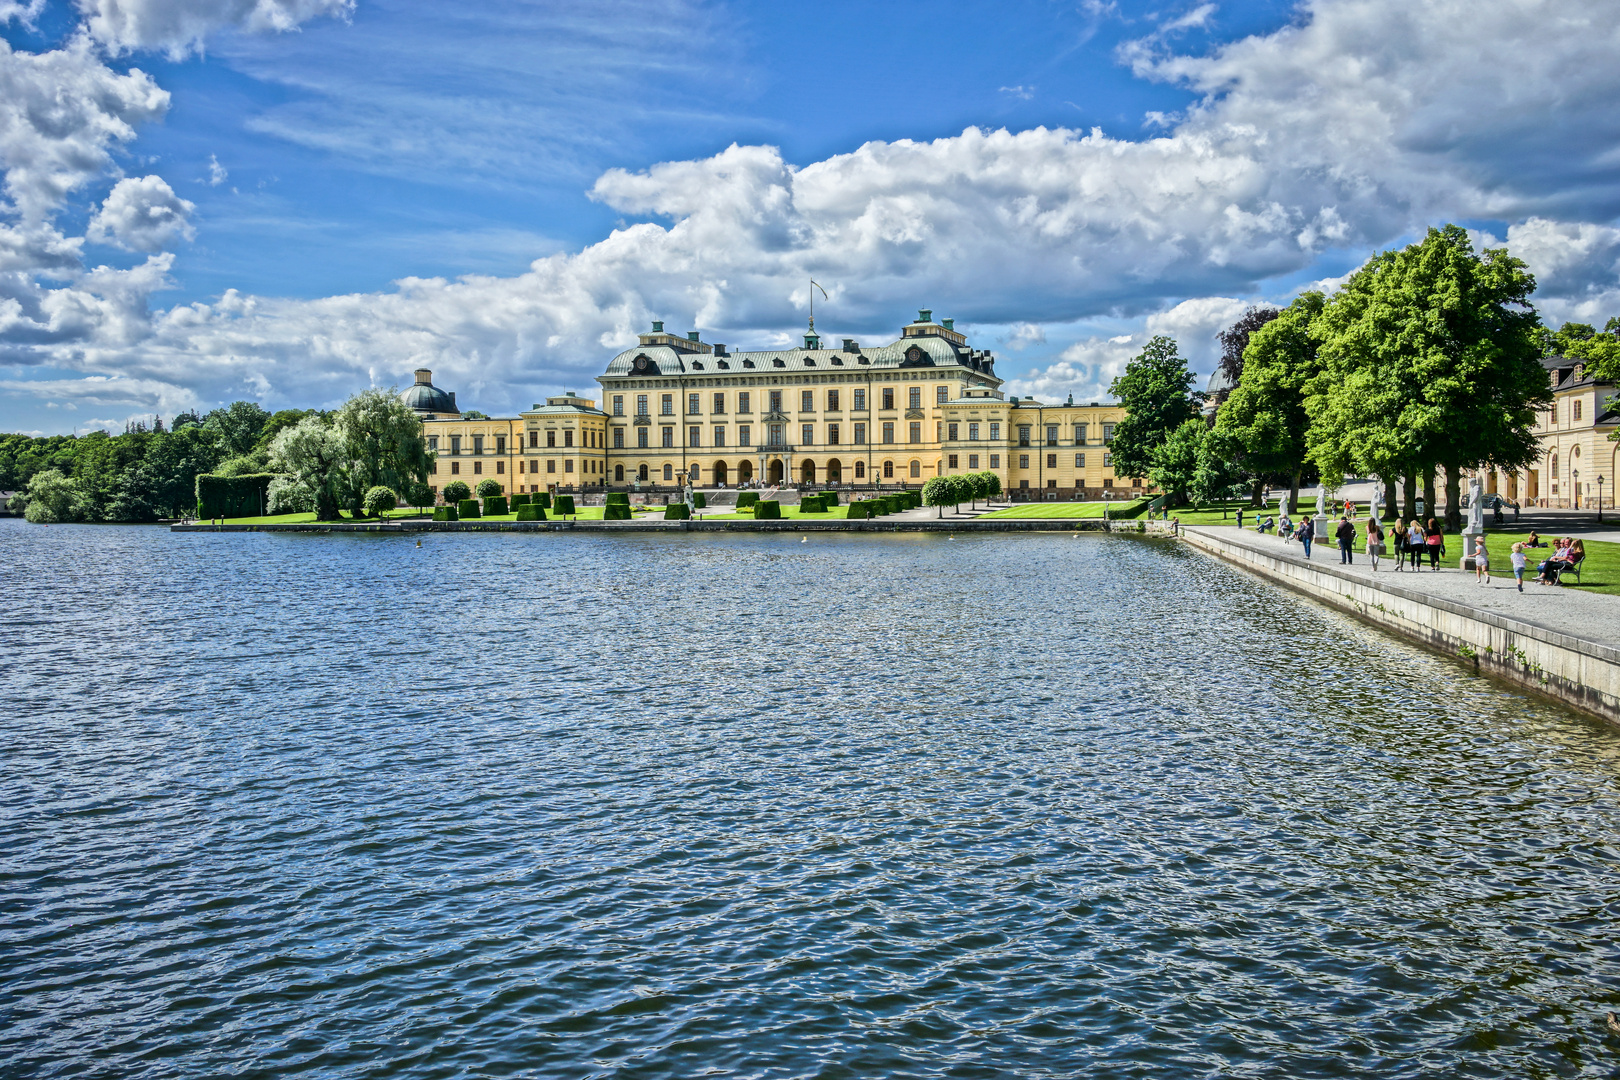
(1592, 616)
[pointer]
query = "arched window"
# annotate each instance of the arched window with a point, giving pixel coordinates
(888, 470)
(695, 474)
(641, 473)
(916, 468)
(860, 470)
(618, 474)
(669, 472)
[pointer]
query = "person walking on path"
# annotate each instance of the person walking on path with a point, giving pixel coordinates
(1435, 541)
(1307, 533)
(1397, 540)
(1346, 535)
(1240, 519)
(1518, 561)
(1375, 541)
(1482, 563)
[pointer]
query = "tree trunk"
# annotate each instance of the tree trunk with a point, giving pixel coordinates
(1430, 502)
(1254, 493)
(1293, 493)
(1453, 499)
(1409, 495)
(1389, 498)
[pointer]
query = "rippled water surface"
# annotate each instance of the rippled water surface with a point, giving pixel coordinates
(745, 806)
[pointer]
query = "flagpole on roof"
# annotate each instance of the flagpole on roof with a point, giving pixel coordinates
(824, 296)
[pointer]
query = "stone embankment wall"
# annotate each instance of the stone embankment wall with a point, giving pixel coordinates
(876, 525)
(1576, 671)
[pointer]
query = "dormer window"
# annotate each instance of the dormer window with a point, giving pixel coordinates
(863, 360)
(838, 360)
(696, 366)
(723, 365)
(778, 361)
(809, 361)
(748, 363)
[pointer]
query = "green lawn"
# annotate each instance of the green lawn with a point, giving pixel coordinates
(1117, 509)
(788, 513)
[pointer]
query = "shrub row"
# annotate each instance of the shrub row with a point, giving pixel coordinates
(830, 498)
(520, 499)
(812, 504)
(746, 499)
(233, 496)
(531, 512)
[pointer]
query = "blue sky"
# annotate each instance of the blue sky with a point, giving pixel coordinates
(313, 154)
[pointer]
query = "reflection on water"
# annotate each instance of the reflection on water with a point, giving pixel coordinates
(862, 806)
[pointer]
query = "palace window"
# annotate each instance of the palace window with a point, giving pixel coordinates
(719, 435)
(1051, 483)
(744, 436)
(641, 473)
(1023, 461)
(916, 468)
(719, 405)
(775, 400)
(455, 444)
(669, 472)
(888, 431)
(1079, 461)
(1577, 404)
(832, 401)
(641, 438)
(832, 434)
(807, 434)
(534, 439)
(1108, 434)
(618, 474)
(478, 444)
(1108, 461)
(666, 405)
(995, 461)
(694, 436)
(860, 434)
(641, 404)
(973, 461)
(742, 402)
(669, 437)
(939, 431)
(915, 434)
(1080, 434)
(942, 394)
(478, 468)
(568, 438)
(914, 397)
(432, 442)
(888, 470)
(950, 432)
(455, 468)
(1023, 434)
(860, 397)
(995, 432)
(807, 401)
(618, 404)
(551, 465)
(888, 397)
(568, 466)
(1051, 434)
(693, 406)
(618, 438)
(551, 438)
(1051, 461)
(950, 462)
(973, 433)
(860, 470)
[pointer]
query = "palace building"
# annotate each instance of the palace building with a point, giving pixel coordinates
(923, 405)
(1577, 459)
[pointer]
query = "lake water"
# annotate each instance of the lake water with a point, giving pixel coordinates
(670, 806)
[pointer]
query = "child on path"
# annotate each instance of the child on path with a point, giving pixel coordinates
(1482, 563)
(1518, 561)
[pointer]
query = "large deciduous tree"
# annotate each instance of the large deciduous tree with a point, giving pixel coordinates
(312, 455)
(1262, 425)
(1235, 342)
(384, 443)
(1429, 357)
(1174, 467)
(1156, 390)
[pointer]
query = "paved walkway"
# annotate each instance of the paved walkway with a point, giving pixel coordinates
(1593, 616)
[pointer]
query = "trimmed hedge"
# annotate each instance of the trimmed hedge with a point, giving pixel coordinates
(767, 511)
(621, 498)
(677, 512)
(564, 504)
(812, 504)
(616, 512)
(531, 512)
(542, 499)
(519, 500)
(444, 513)
(830, 498)
(467, 508)
(699, 500)
(747, 498)
(494, 505)
(862, 508)
(233, 496)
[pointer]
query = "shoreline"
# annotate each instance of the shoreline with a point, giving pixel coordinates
(1056, 525)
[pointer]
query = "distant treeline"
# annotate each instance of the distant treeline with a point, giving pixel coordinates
(148, 472)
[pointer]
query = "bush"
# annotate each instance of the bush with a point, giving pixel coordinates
(812, 504)
(488, 488)
(767, 511)
(53, 496)
(616, 512)
(531, 512)
(699, 500)
(467, 508)
(380, 500)
(494, 506)
(564, 504)
(444, 513)
(861, 508)
(620, 498)
(455, 491)
(518, 500)
(677, 512)
(541, 499)
(830, 498)
(747, 498)
(233, 496)
(421, 495)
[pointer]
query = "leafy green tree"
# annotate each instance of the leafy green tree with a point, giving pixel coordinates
(940, 492)
(1235, 341)
(1430, 357)
(380, 500)
(992, 485)
(312, 454)
(53, 497)
(455, 491)
(1157, 393)
(383, 441)
(421, 495)
(237, 426)
(488, 488)
(279, 422)
(1263, 423)
(1174, 464)
(1216, 476)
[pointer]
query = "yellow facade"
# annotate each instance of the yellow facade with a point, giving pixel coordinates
(559, 444)
(1576, 446)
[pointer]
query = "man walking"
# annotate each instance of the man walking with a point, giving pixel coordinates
(1240, 519)
(1346, 534)
(1307, 533)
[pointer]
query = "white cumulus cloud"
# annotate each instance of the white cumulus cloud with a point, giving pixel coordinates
(142, 215)
(180, 26)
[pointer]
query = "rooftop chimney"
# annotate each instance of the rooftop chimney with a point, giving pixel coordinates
(424, 377)
(719, 349)
(691, 335)
(658, 326)
(851, 345)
